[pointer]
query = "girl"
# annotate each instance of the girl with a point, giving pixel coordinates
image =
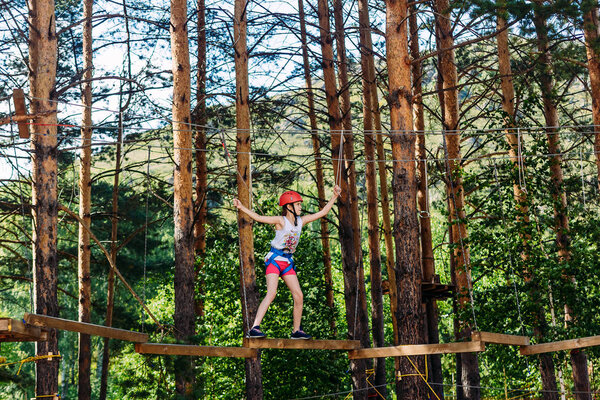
(279, 261)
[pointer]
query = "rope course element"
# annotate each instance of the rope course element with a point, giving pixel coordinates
(502, 156)
(31, 359)
(501, 131)
(510, 257)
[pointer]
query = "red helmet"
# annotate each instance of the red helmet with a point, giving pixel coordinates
(289, 197)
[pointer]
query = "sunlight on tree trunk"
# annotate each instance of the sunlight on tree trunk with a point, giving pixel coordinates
(85, 200)
(44, 195)
(182, 196)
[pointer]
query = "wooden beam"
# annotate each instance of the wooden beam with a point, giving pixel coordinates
(190, 350)
(560, 345)
(21, 110)
(418, 349)
(13, 330)
(300, 344)
(84, 327)
(500, 338)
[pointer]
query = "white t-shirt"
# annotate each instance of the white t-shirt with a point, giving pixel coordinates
(286, 239)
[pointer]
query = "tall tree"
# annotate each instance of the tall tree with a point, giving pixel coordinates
(371, 183)
(561, 219)
(44, 195)
(468, 365)
(316, 144)
(248, 287)
(85, 202)
(200, 119)
(520, 196)
(408, 310)
(591, 32)
(356, 315)
(182, 199)
(427, 260)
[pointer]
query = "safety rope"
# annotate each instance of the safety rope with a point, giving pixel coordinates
(510, 257)
(146, 234)
(462, 245)
(242, 266)
(31, 359)
(22, 198)
(542, 130)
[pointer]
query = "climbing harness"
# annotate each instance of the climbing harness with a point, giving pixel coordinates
(281, 253)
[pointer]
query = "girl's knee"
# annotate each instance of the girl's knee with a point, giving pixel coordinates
(298, 296)
(271, 296)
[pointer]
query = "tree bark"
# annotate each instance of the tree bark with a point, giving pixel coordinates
(592, 36)
(316, 144)
(427, 260)
(459, 234)
(85, 200)
(249, 291)
(546, 364)
(561, 219)
(200, 120)
(408, 310)
(44, 196)
(354, 292)
(377, 319)
(182, 198)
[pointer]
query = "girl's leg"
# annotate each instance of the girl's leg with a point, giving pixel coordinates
(292, 282)
(272, 281)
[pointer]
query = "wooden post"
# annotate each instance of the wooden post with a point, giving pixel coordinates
(20, 111)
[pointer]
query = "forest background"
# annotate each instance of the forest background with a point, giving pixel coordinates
(521, 250)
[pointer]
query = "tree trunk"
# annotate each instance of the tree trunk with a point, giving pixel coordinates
(44, 195)
(561, 219)
(383, 191)
(356, 315)
(85, 200)
(546, 364)
(182, 196)
(428, 265)
(312, 116)
(377, 319)
(345, 108)
(592, 35)
(461, 257)
(249, 291)
(200, 120)
(408, 310)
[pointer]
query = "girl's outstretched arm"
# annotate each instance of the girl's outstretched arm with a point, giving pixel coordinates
(273, 220)
(313, 217)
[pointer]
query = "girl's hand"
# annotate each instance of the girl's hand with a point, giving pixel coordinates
(237, 203)
(337, 191)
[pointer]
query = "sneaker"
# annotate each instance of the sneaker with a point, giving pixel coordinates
(256, 333)
(300, 334)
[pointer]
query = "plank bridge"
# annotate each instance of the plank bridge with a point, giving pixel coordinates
(34, 328)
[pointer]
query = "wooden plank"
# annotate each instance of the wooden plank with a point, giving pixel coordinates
(418, 349)
(190, 350)
(560, 345)
(13, 330)
(302, 344)
(500, 338)
(84, 327)
(21, 110)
